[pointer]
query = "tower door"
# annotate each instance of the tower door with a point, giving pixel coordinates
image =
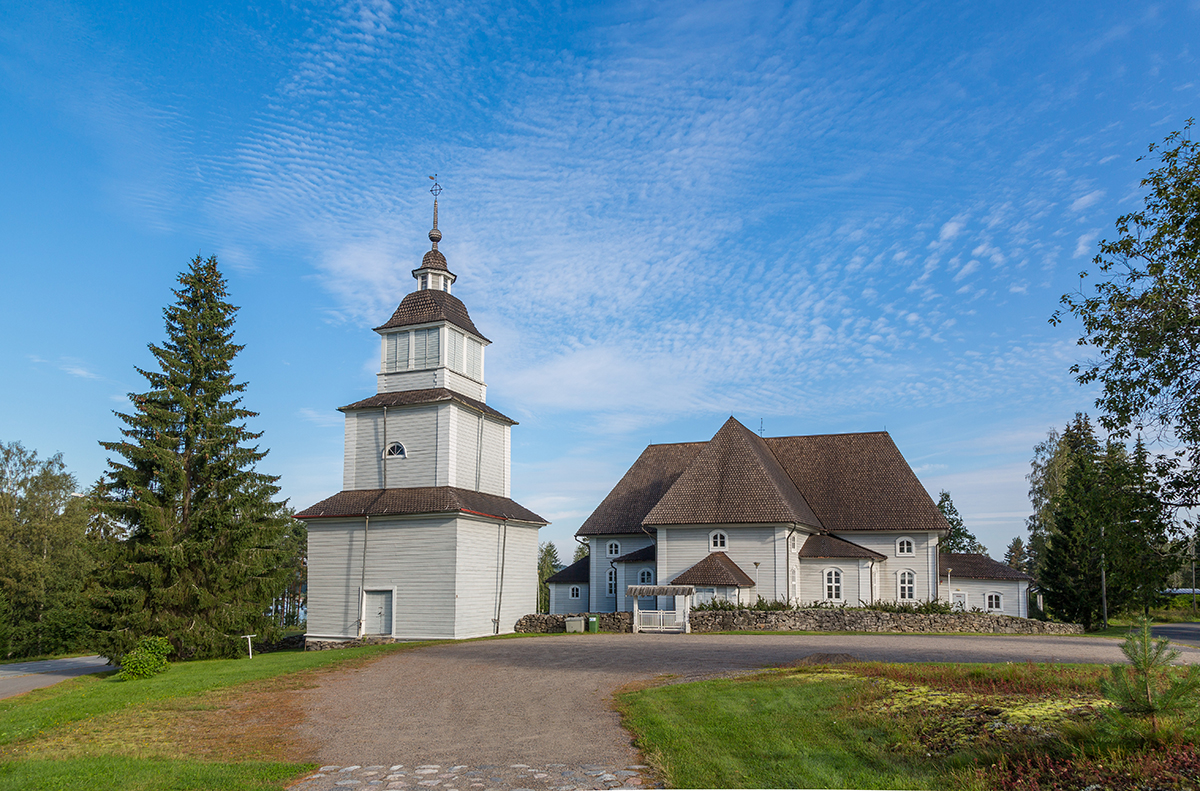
(378, 615)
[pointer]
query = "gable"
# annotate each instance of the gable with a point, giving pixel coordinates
(640, 489)
(857, 482)
(734, 479)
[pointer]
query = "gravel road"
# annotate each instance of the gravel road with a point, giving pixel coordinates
(546, 700)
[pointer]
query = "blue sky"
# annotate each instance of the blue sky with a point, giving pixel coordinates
(815, 217)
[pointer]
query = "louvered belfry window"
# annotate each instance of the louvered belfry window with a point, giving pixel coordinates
(425, 348)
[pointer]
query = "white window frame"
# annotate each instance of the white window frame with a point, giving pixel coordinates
(839, 583)
(718, 541)
(387, 451)
(612, 582)
(999, 598)
(612, 553)
(643, 573)
(900, 553)
(900, 585)
(574, 593)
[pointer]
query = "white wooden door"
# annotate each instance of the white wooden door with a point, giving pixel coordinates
(378, 615)
(959, 599)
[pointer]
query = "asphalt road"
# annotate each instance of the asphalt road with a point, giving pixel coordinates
(548, 699)
(20, 677)
(1183, 633)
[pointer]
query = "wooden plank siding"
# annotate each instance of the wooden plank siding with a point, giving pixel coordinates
(686, 546)
(477, 572)
(413, 427)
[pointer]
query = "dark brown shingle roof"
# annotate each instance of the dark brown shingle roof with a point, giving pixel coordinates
(427, 305)
(857, 482)
(419, 500)
(575, 573)
(434, 260)
(716, 569)
(430, 396)
(639, 490)
(643, 555)
(976, 567)
(734, 479)
(825, 546)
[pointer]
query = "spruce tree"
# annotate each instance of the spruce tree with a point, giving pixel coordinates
(202, 560)
(959, 539)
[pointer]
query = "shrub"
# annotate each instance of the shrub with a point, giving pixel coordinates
(148, 658)
(1152, 690)
(933, 607)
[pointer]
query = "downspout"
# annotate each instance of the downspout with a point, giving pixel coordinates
(385, 447)
(362, 580)
(479, 453)
(871, 572)
(500, 592)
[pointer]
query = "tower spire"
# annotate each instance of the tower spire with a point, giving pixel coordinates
(435, 235)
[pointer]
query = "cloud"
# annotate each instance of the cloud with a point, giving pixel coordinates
(1084, 245)
(967, 269)
(1085, 201)
(950, 230)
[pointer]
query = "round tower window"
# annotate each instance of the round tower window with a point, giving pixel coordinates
(395, 451)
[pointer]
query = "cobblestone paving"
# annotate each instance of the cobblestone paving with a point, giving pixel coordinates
(513, 777)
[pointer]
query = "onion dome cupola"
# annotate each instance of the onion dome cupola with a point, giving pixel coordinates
(433, 272)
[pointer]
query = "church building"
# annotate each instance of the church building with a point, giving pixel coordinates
(835, 519)
(424, 540)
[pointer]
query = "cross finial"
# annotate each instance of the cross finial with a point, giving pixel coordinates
(436, 189)
(435, 235)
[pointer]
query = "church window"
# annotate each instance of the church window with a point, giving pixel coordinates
(424, 281)
(445, 284)
(455, 351)
(395, 451)
(612, 582)
(574, 591)
(904, 546)
(397, 352)
(833, 584)
(908, 585)
(717, 541)
(645, 577)
(994, 602)
(614, 549)
(474, 365)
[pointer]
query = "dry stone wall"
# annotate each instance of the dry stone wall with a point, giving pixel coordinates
(326, 645)
(541, 623)
(854, 620)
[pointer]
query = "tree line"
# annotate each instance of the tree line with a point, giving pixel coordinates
(182, 538)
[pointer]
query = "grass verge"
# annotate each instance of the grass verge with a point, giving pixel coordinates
(103, 774)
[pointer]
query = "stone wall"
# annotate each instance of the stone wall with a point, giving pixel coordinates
(541, 623)
(856, 620)
(326, 645)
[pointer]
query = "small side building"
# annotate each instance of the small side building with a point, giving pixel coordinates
(569, 588)
(970, 581)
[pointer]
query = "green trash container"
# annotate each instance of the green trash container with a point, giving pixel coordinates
(593, 624)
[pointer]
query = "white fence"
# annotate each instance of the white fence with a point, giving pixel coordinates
(660, 621)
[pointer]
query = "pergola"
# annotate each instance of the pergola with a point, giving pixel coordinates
(662, 620)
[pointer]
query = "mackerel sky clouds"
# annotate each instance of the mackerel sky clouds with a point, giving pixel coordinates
(815, 217)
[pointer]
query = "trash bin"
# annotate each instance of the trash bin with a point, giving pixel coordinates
(593, 624)
(575, 623)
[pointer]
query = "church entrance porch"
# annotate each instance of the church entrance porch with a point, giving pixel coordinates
(673, 620)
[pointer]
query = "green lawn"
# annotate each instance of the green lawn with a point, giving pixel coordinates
(47, 714)
(770, 732)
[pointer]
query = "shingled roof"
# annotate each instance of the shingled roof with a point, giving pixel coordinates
(575, 573)
(734, 479)
(857, 482)
(976, 567)
(430, 396)
(833, 482)
(419, 500)
(643, 555)
(429, 305)
(820, 545)
(716, 569)
(639, 490)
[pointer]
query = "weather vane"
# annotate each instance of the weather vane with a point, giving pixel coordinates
(436, 189)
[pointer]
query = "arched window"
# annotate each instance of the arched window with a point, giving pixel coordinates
(833, 584)
(908, 585)
(395, 451)
(995, 602)
(574, 591)
(614, 549)
(612, 582)
(645, 577)
(904, 546)
(717, 541)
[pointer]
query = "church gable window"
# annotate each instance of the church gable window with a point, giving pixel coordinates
(905, 547)
(614, 549)
(646, 577)
(395, 451)
(574, 591)
(718, 541)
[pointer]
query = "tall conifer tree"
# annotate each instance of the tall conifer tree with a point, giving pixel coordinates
(202, 559)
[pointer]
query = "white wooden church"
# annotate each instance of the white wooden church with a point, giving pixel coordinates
(424, 540)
